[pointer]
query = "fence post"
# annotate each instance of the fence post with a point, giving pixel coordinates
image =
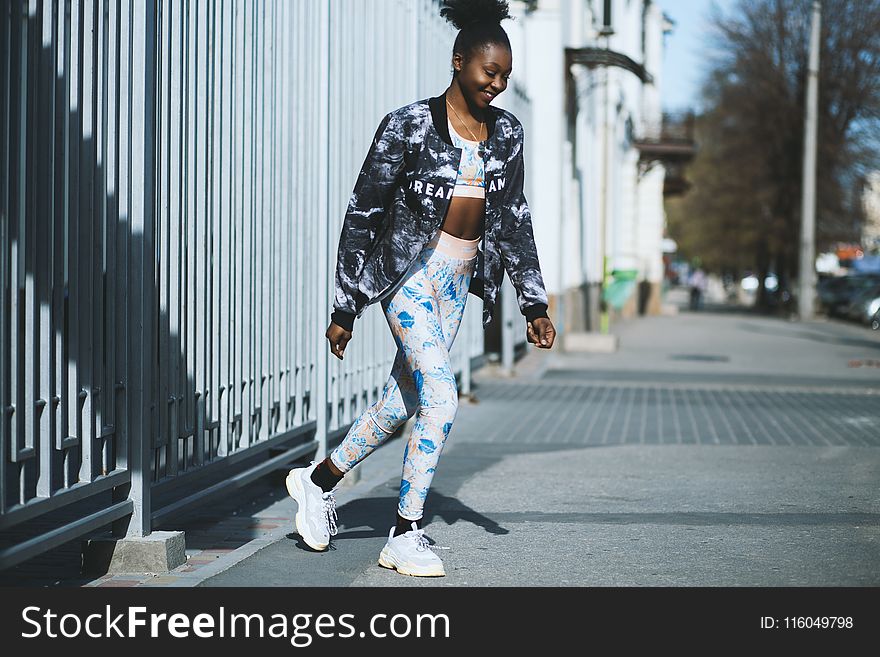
(323, 247)
(142, 297)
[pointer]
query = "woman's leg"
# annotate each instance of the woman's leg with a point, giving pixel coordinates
(426, 323)
(397, 404)
(399, 400)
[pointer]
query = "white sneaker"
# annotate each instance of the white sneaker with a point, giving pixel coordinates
(410, 554)
(316, 512)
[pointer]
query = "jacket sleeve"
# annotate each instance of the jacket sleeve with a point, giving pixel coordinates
(367, 206)
(517, 241)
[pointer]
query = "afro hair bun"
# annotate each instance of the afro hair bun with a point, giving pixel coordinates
(464, 12)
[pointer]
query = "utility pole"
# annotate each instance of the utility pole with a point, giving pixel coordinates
(807, 280)
(606, 178)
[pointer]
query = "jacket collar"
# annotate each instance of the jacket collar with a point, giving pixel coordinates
(437, 105)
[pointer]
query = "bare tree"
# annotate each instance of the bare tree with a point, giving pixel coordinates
(744, 210)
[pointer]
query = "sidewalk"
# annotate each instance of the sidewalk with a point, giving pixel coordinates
(713, 448)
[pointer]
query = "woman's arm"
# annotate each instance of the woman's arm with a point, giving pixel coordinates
(366, 208)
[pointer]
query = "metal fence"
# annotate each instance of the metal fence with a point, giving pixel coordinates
(175, 176)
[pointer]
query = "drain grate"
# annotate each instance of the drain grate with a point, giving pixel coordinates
(655, 414)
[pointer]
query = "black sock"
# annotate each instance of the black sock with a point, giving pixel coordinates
(323, 477)
(404, 525)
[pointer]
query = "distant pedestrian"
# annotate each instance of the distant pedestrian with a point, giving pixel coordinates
(698, 283)
(442, 177)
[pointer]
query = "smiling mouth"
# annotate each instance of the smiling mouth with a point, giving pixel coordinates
(489, 94)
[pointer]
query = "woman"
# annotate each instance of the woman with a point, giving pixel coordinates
(442, 176)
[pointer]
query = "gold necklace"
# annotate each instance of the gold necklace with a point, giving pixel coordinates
(464, 124)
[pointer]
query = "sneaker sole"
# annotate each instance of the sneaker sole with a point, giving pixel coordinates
(294, 489)
(388, 561)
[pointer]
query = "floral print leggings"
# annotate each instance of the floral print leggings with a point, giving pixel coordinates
(424, 313)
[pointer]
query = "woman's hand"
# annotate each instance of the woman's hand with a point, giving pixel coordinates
(338, 338)
(541, 332)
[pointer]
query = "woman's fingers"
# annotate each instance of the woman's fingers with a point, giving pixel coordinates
(338, 347)
(548, 334)
(338, 340)
(532, 336)
(542, 335)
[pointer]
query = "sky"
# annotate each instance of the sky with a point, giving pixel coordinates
(682, 60)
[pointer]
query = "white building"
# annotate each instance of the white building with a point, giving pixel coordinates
(596, 149)
(871, 205)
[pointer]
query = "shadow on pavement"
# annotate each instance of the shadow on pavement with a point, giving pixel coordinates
(373, 517)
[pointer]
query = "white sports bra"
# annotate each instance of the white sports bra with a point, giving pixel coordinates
(471, 180)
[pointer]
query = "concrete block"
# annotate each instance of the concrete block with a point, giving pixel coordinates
(599, 343)
(160, 552)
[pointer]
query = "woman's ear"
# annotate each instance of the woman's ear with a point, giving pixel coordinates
(457, 62)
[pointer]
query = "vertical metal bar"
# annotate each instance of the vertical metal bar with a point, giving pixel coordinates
(201, 320)
(323, 234)
(45, 215)
(9, 229)
(270, 226)
(297, 175)
(112, 282)
(174, 236)
(286, 36)
(223, 167)
(85, 251)
(257, 253)
(212, 341)
(164, 157)
(239, 276)
(5, 102)
(266, 219)
(141, 347)
(260, 219)
(18, 209)
(208, 414)
(294, 398)
(75, 329)
(30, 230)
(339, 402)
(252, 245)
(242, 253)
(311, 244)
(180, 283)
(189, 283)
(247, 374)
(311, 115)
(125, 330)
(62, 249)
(283, 292)
(189, 261)
(99, 234)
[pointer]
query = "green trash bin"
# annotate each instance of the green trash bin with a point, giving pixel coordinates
(622, 285)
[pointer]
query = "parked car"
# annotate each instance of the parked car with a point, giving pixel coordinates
(837, 294)
(864, 305)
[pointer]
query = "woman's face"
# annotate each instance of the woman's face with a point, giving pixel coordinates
(485, 74)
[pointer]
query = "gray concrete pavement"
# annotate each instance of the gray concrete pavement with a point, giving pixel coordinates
(711, 449)
(714, 448)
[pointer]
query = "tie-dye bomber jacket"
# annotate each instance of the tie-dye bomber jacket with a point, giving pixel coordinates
(400, 200)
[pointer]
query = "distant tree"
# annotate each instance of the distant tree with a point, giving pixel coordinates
(744, 208)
